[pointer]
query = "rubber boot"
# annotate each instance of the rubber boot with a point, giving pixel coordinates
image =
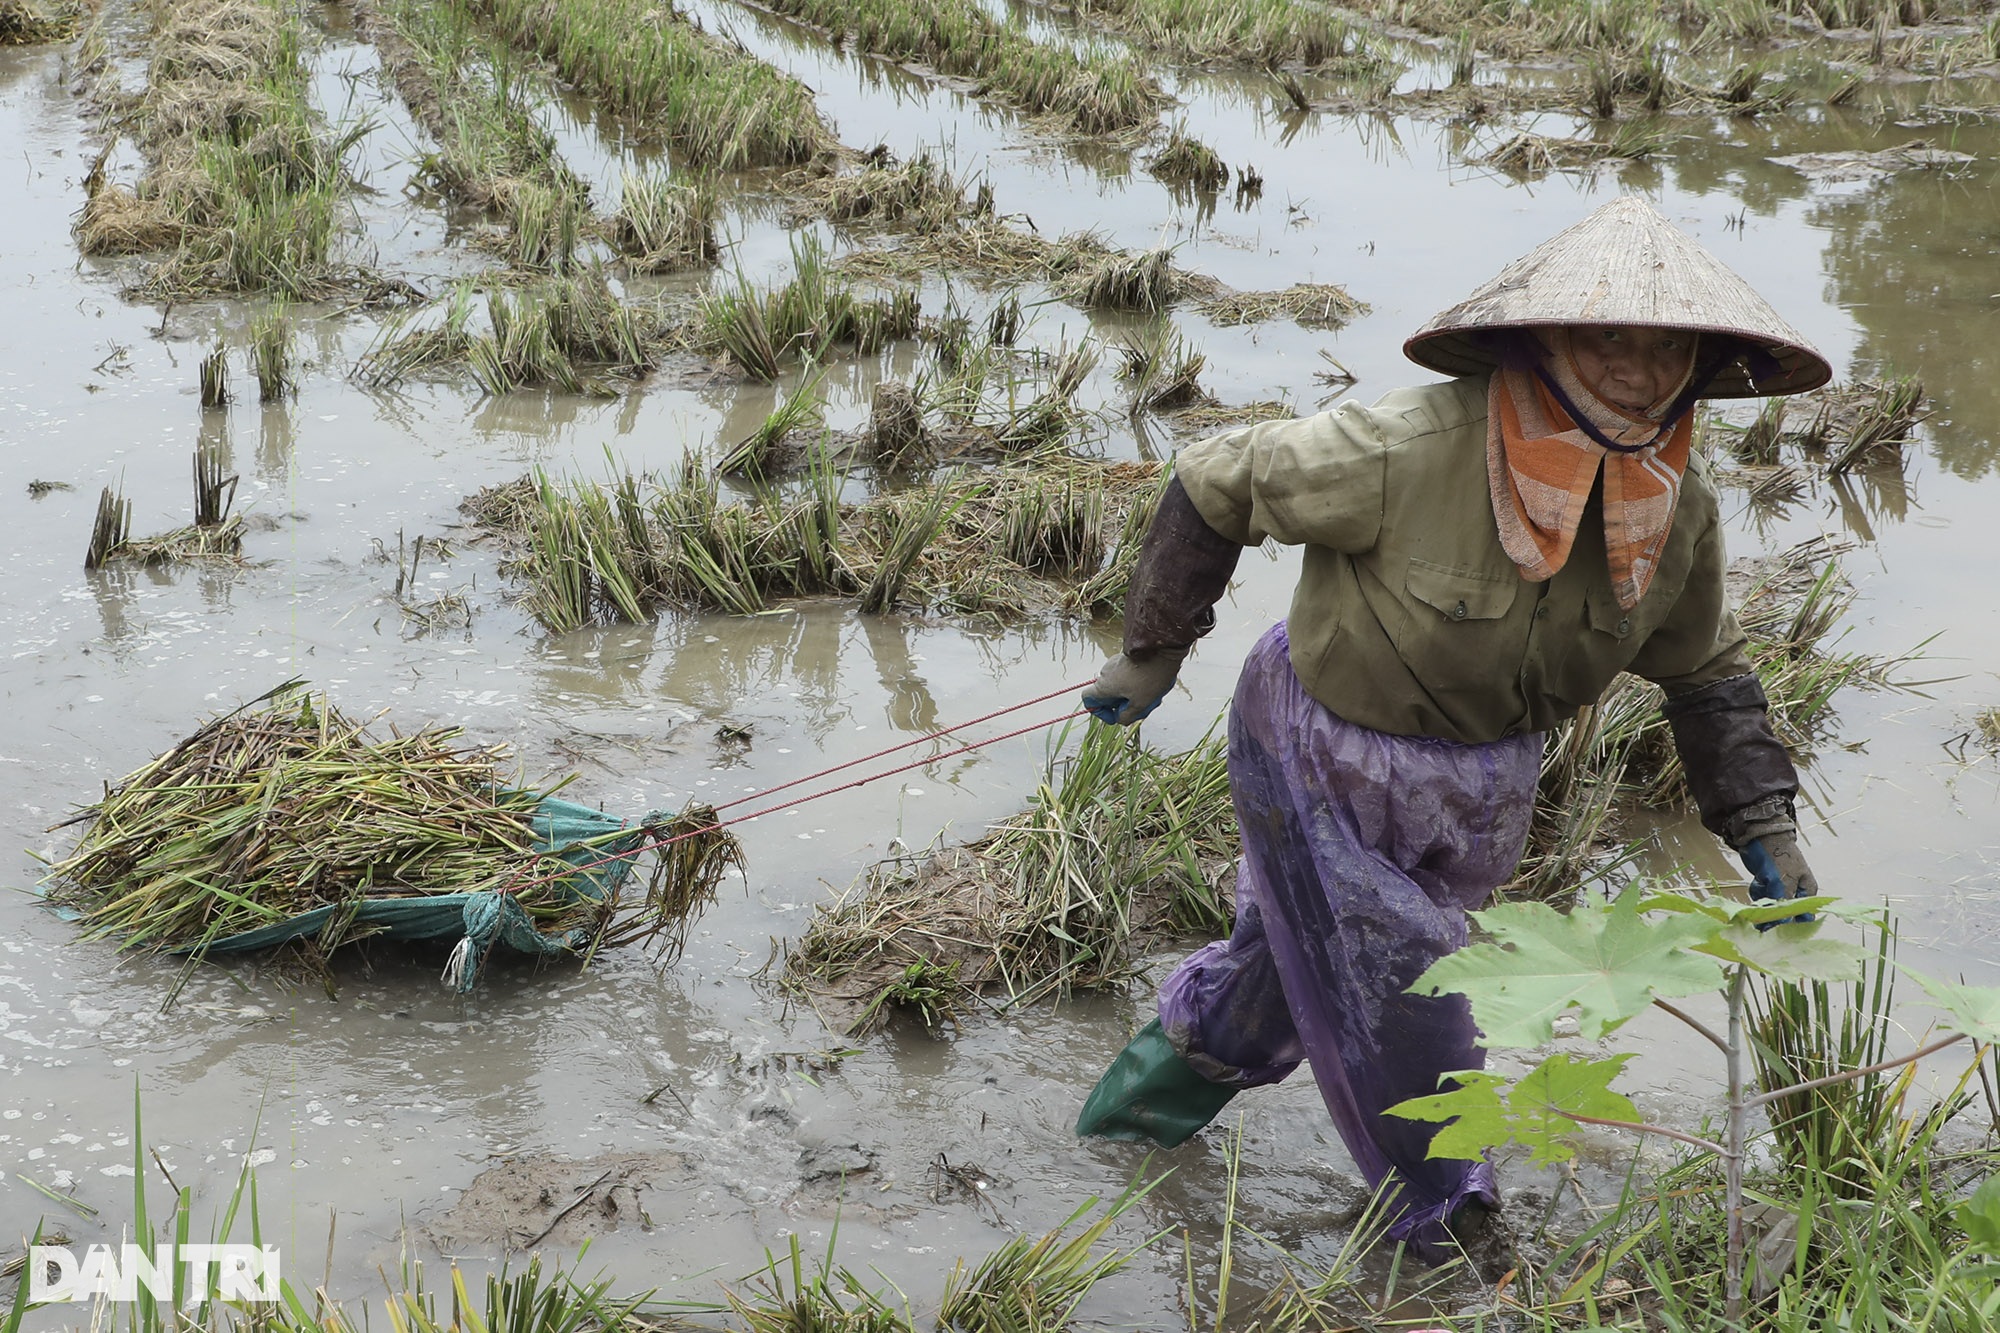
(1150, 1092)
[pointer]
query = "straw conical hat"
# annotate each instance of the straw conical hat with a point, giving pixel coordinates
(1625, 264)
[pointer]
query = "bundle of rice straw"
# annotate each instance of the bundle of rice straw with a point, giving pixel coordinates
(285, 806)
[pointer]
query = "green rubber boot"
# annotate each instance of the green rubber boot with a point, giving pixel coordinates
(1150, 1092)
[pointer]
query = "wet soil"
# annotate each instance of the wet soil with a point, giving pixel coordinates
(393, 1105)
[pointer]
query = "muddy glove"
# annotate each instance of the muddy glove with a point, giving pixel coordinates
(1767, 839)
(1126, 691)
(1183, 569)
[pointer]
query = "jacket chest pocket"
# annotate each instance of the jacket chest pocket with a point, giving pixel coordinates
(1456, 636)
(1460, 595)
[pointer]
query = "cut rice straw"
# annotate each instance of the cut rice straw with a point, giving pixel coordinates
(1119, 845)
(285, 806)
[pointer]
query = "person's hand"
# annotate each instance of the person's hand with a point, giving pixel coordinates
(1126, 691)
(1778, 869)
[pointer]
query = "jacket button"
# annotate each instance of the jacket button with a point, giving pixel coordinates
(1541, 613)
(1458, 612)
(1625, 626)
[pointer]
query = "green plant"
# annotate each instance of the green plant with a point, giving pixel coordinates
(925, 986)
(1029, 1286)
(215, 378)
(1185, 162)
(759, 455)
(664, 225)
(271, 354)
(1607, 963)
(720, 108)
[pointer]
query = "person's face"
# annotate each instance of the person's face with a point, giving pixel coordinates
(1629, 367)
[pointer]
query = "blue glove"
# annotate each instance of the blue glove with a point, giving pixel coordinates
(1126, 691)
(1778, 871)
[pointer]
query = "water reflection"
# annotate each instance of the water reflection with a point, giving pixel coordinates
(910, 705)
(1912, 260)
(277, 445)
(1864, 497)
(212, 436)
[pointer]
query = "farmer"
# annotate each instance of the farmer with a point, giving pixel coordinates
(1482, 558)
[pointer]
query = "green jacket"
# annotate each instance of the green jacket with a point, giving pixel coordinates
(1409, 617)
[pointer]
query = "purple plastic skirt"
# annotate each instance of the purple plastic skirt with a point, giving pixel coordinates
(1362, 853)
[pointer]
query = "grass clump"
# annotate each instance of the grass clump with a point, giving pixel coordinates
(1204, 419)
(244, 181)
(1529, 155)
(664, 225)
(1263, 32)
(25, 23)
(542, 337)
(1186, 163)
(716, 107)
(470, 93)
(271, 354)
(624, 549)
(1164, 372)
(1084, 270)
(1864, 417)
(621, 550)
(1848, 423)
(1091, 91)
(1315, 305)
(562, 332)
(766, 451)
(215, 535)
(215, 378)
(810, 314)
(1142, 282)
(921, 194)
(420, 341)
(1119, 845)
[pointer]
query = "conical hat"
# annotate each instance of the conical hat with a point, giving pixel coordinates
(1625, 264)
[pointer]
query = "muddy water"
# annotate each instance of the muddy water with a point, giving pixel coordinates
(725, 1106)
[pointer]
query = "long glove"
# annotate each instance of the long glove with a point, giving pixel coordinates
(1126, 690)
(1182, 571)
(1767, 838)
(1743, 782)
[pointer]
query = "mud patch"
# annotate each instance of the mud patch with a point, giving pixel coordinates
(528, 1201)
(1833, 168)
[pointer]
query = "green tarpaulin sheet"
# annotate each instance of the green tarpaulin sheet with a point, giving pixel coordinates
(480, 920)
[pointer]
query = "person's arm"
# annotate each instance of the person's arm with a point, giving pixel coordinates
(1311, 479)
(1182, 571)
(1738, 771)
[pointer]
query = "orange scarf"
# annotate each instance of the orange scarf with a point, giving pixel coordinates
(1542, 467)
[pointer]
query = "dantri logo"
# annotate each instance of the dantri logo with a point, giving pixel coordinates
(239, 1272)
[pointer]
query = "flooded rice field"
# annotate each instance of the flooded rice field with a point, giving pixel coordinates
(699, 1111)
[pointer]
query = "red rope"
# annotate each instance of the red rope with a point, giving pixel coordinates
(656, 842)
(939, 734)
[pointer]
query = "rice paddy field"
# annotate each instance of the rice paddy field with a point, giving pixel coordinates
(689, 398)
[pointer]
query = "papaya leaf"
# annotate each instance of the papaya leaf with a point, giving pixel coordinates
(1607, 963)
(1535, 1113)
(1980, 1216)
(1475, 1108)
(1792, 952)
(1758, 910)
(1973, 1010)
